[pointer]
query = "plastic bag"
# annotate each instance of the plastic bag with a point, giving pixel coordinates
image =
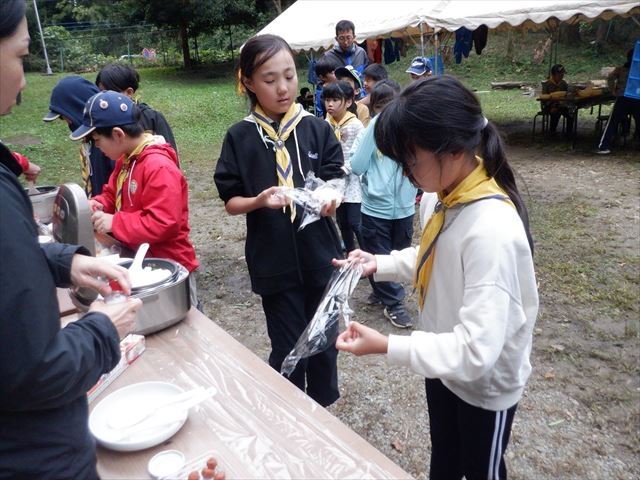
(315, 194)
(322, 331)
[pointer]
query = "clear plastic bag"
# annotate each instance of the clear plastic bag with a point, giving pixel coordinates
(322, 331)
(315, 194)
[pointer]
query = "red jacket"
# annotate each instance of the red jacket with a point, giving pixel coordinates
(155, 205)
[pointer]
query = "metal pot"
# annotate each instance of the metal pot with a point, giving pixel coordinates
(43, 202)
(163, 304)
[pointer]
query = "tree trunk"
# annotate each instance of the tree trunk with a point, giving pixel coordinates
(184, 41)
(570, 34)
(278, 5)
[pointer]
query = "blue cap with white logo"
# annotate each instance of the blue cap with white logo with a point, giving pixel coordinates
(420, 66)
(105, 109)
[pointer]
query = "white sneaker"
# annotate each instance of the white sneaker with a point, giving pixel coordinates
(603, 152)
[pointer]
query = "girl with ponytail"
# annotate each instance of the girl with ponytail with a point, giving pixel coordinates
(473, 272)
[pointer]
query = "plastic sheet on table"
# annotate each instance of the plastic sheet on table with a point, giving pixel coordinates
(322, 331)
(258, 426)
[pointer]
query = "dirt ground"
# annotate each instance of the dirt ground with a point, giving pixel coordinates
(580, 414)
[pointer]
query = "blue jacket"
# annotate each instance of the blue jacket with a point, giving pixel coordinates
(386, 192)
(68, 98)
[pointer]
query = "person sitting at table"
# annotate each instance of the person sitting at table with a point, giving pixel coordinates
(46, 371)
(623, 107)
(554, 108)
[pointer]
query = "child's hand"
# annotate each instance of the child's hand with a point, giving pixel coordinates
(329, 209)
(32, 172)
(102, 222)
(361, 340)
(273, 198)
(95, 205)
(368, 261)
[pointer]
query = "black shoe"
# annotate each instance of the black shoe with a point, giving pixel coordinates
(373, 299)
(398, 316)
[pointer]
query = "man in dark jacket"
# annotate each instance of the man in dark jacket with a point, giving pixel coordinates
(346, 51)
(45, 371)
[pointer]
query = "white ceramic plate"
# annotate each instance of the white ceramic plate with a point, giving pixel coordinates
(138, 396)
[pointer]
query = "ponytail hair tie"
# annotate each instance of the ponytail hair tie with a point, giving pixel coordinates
(485, 122)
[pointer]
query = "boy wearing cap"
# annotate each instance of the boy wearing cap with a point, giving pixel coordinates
(67, 102)
(351, 75)
(146, 198)
(346, 51)
(420, 68)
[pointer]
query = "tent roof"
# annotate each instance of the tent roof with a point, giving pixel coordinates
(310, 24)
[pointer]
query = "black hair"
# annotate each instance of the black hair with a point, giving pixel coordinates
(326, 65)
(131, 129)
(304, 91)
(375, 71)
(118, 77)
(344, 26)
(441, 115)
(629, 58)
(11, 14)
(383, 92)
(255, 53)
(557, 68)
(340, 90)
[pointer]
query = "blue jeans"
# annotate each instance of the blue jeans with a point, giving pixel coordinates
(380, 236)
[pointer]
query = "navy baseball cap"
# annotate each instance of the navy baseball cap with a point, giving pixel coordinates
(420, 66)
(349, 71)
(105, 109)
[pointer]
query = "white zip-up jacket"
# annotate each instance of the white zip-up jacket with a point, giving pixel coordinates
(476, 327)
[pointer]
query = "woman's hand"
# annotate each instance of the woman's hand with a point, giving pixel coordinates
(102, 222)
(361, 340)
(368, 261)
(122, 315)
(85, 271)
(272, 198)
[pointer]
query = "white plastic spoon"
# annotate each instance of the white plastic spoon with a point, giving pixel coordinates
(136, 265)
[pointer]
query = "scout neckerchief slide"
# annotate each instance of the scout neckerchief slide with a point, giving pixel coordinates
(147, 139)
(284, 168)
(338, 125)
(477, 186)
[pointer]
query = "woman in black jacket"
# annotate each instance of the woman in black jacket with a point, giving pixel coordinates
(45, 371)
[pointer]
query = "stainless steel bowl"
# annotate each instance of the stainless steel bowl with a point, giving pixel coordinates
(43, 202)
(163, 305)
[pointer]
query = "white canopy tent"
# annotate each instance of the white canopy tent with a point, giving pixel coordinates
(310, 24)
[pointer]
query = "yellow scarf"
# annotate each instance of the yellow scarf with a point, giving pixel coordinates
(147, 139)
(476, 186)
(338, 125)
(284, 168)
(85, 164)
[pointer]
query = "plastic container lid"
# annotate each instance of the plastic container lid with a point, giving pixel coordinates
(165, 463)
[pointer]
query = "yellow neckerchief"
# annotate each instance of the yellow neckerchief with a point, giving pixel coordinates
(284, 168)
(85, 165)
(147, 139)
(476, 186)
(338, 125)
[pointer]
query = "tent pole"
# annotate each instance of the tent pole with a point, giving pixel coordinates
(421, 40)
(435, 57)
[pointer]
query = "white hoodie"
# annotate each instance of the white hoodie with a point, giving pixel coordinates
(478, 317)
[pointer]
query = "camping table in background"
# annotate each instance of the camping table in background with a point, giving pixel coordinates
(258, 424)
(576, 104)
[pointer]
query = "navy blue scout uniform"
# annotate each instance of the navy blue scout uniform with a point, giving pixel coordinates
(288, 268)
(45, 372)
(68, 98)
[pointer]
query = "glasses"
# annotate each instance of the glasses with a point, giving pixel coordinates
(343, 38)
